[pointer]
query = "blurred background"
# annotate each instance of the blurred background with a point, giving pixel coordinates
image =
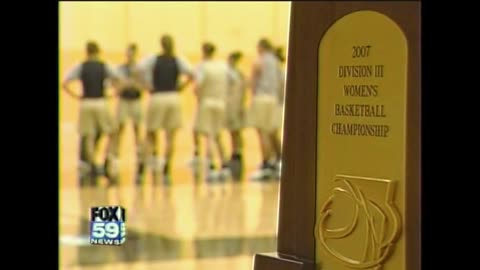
(189, 224)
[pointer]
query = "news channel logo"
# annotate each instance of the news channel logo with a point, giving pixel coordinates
(107, 225)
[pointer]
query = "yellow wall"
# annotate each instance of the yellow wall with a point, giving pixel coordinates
(102, 21)
(230, 25)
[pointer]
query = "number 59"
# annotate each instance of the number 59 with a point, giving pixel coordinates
(110, 230)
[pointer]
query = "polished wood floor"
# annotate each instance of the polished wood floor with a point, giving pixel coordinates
(180, 227)
(190, 225)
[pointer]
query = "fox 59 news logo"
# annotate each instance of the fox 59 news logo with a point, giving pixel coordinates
(107, 225)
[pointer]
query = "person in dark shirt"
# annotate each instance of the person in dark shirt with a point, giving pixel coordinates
(130, 103)
(94, 117)
(161, 73)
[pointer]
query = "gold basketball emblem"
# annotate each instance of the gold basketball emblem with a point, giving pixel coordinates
(373, 221)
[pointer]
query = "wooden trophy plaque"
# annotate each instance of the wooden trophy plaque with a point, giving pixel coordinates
(350, 185)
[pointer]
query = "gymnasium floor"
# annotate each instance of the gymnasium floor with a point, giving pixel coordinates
(186, 226)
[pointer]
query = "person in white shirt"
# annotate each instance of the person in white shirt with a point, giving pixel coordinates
(236, 106)
(212, 81)
(266, 84)
(276, 138)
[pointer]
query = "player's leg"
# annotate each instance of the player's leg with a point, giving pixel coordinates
(87, 133)
(109, 127)
(111, 160)
(218, 114)
(235, 124)
(276, 111)
(169, 151)
(263, 125)
(137, 118)
(272, 125)
(196, 160)
(278, 129)
(265, 145)
(237, 143)
(105, 124)
(276, 152)
(261, 121)
(225, 171)
(269, 158)
(196, 147)
(236, 160)
(276, 144)
(120, 135)
(151, 146)
(172, 122)
(136, 135)
(87, 168)
(212, 173)
(203, 126)
(139, 147)
(151, 157)
(145, 155)
(98, 137)
(155, 114)
(122, 117)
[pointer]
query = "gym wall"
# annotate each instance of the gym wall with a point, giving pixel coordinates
(230, 25)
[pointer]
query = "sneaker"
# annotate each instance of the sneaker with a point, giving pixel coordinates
(225, 173)
(212, 175)
(155, 164)
(83, 168)
(278, 170)
(262, 174)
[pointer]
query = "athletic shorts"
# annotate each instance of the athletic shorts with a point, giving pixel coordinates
(95, 117)
(210, 118)
(279, 115)
(235, 118)
(130, 109)
(164, 112)
(264, 113)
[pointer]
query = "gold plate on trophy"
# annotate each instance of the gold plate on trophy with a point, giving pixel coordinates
(361, 150)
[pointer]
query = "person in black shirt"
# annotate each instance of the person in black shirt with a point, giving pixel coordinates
(95, 118)
(161, 74)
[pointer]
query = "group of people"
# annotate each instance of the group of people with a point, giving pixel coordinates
(220, 90)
